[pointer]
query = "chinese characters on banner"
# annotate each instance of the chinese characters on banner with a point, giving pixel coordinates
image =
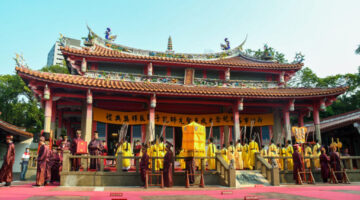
(178, 120)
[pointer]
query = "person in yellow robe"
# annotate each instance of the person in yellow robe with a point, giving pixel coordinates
(126, 152)
(245, 154)
(182, 161)
(316, 153)
(155, 153)
(263, 153)
(239, 164)
(162, 152)
(253, 148)
(211, 152)
(283, 154)
(308, 152)
(224, 154)
(272, 151)
(289, 153)
(231, 152)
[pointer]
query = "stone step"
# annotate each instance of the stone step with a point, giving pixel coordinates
(250, 178)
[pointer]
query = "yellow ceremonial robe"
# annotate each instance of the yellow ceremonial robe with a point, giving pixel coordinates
(289, 153)
(162, 152)
(126, 152)
(282, 161)
(239, 164)
(155, 153)
(224, 155)
(316, 153)
(231, 153)
(273, 152)
(308, 152)
(182, 161)
(245, 154)
(211, 152)
(253, 147)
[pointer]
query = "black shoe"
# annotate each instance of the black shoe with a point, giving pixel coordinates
(7, 184)
(36, 185)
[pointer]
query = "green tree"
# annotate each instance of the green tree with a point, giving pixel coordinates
(55, 69)
(357, 51)
(259, 54)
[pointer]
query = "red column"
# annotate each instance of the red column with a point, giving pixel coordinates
(287, 124)
(301, 119)
(48, 115)
(316, 118)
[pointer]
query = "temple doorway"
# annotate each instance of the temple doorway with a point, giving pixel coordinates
(178, 139)
(113, 137)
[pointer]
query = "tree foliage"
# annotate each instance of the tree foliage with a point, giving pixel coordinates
(18, 105)
(277, 56)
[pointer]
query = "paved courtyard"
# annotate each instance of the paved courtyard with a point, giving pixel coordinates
(24, 190)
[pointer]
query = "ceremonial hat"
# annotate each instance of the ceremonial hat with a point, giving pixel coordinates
(9, 137)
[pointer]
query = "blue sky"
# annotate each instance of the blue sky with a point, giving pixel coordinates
(326, 31)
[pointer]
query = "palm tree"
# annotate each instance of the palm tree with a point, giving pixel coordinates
(357, 51)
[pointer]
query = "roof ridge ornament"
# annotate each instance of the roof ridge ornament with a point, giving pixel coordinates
(169, 46)
(20, 61)
(225, 46)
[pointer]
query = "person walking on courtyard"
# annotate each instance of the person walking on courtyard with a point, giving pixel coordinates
(6, 174)
(24, 163)
(95, 149)
(231, 152)
(289, 152)
(211, 152)
(245, 154)
(224, 154)
(41, 162)
(168, 166)
(126, 152)
(324, 163)
(316, 153)
(190, 168)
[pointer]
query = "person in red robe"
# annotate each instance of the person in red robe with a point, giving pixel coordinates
(76, 161)
(144, 164)
(324, 164)
(48, 164)
(335, 163)
(59, 140)
(168, 165)
(55, 165)
(190, 168)
(95, 149)
(65, 144)
(41, 162)
(6, 174)
(298, 167)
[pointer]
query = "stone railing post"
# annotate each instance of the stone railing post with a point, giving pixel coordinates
(119, 163)
(152, 165)
(101, 165)
(275, 177)
(257, 161)
(202, 165)
(285, 164)
(232, 175)
(351, 164)
(66, 161)
(137, 164)
(312, 163)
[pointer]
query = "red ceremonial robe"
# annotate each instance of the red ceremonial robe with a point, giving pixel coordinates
(55, 166)
(95, 148)
(335, 164)
(41, 164)
(324, 163)
(6, 174)
(48, 166)
(76, 161)
(144, 166)
(167, 171)
(298, 167)
(190, 168)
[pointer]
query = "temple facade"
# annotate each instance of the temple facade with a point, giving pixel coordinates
(155, 93)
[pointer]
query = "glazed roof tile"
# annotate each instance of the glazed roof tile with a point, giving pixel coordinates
(176, 90)
(236, 62)
(14, 129)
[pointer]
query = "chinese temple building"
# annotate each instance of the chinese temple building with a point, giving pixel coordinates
(155, 93)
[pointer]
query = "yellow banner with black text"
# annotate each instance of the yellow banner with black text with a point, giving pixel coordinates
(178, 120)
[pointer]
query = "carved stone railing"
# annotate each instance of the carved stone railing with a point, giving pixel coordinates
(235, 83)
(226, 172)
(134, 77)
(271, 173)
(348, 162)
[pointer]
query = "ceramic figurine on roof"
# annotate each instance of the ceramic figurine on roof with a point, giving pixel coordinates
(108, 35)
(299, 58)
(20, 61)
(89, 40)
(267, 53)
(225, 46)
(62, 40)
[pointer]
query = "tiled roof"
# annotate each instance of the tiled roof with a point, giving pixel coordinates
(175, 90)
(236, 62)
(14, 129)
(336, 121)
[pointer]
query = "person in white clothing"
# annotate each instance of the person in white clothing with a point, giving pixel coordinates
(24, 163)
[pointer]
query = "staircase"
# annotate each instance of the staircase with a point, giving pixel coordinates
(250, 178)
